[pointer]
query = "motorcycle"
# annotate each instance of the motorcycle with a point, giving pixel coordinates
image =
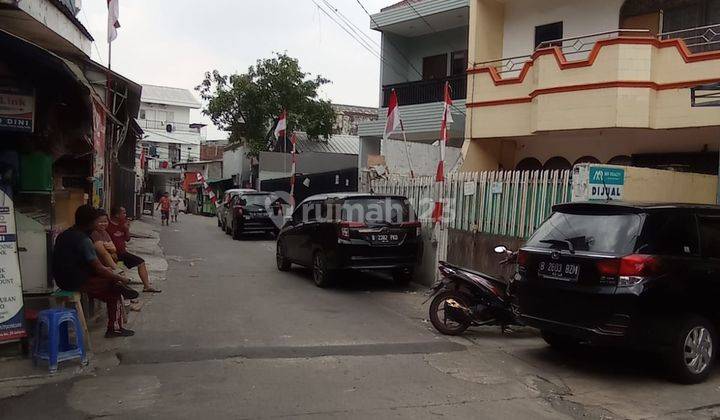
(464, 298)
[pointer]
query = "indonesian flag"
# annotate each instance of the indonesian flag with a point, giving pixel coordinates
(393, 116)
(113, 19)
(294, 161)
(281, 125)
(206, 188)
(440, 175)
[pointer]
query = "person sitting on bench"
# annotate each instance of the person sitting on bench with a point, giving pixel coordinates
(76, 267)
(118, 230)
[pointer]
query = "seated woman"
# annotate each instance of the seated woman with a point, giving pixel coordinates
(104, 246)
(76, 267)
(110, 255)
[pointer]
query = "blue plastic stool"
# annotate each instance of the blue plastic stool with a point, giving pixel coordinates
(55, 346)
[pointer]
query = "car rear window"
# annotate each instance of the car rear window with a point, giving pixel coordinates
(602, 233)
(377, 210)
(256, 199)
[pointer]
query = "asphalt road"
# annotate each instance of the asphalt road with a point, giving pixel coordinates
(232, 337)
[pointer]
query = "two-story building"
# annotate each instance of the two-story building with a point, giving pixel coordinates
(170, 138)
(424, 45)
(557, 82)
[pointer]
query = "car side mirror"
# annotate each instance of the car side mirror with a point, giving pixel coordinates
(502, 249)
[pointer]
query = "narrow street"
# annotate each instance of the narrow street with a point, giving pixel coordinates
(232, 337)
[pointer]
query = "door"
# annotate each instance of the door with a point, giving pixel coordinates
(307, 234)
(435, 67)
(291, 235)
(709, 285)
(550, 32)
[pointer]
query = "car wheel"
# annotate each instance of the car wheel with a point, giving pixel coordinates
(283, 264)
(692, 352)
(321, 275)
(444, 315)
(236, 232)
(560, 342)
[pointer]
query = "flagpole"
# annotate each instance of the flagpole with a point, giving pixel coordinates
(407, 149)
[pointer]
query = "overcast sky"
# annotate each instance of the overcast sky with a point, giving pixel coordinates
(173, 42)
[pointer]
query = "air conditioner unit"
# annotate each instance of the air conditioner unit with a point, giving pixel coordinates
(170, 128)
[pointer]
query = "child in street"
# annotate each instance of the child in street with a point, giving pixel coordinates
(164, 206)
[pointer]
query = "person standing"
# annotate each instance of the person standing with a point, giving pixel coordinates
(175, 202)
(164, 206)
(119, 231)
(76, 267)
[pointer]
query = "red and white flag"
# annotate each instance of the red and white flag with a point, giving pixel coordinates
(394, 123)
(440, 175)
(281, 125)
(210, 193)
(113, 19)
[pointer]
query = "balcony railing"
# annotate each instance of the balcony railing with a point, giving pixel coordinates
(426, 91)
(700, 39)
(174, 126)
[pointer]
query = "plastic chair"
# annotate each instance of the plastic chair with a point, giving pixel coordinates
(54, 346)
(61, 297)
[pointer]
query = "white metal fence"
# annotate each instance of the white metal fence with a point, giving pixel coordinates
(506, 203)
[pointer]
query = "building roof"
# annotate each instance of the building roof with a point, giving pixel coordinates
(400, 4)
(339, 143)
(169, 96)
(353, 109)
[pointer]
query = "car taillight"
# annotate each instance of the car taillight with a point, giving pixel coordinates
(416, 225)
(522, 257)
(344, 231)
(628, 271)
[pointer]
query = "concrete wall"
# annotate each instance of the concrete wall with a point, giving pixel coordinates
(424, 157)
(236, 165)
(169, 113)
(415, 49)
(578, 17)
(46, 13)
(649, 185)
(476, 252)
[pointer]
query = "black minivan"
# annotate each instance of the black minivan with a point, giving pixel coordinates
(351, 231)
(640, 275)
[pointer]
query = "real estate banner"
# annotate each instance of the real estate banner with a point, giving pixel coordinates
(17, 109)
(12, 317)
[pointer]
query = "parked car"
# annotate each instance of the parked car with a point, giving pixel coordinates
(222, 209)
(251, 212)
(646, 276)
(351, 231)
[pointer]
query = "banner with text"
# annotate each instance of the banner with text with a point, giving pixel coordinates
(12, 317)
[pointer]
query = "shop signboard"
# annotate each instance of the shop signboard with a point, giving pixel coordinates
(98, 155)
(12, 317)
(17, 109)
(606, 183)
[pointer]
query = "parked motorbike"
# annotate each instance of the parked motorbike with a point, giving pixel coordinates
(464, 298)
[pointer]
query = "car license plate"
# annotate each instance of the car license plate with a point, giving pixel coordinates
(385, 238)
(559, 270)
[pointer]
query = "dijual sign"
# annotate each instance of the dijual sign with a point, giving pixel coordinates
(12, 317)
(606, 183)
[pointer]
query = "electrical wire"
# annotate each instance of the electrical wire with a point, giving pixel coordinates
(399, 51)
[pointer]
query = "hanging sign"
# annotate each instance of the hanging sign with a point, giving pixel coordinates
(17, 109)
(12, 316)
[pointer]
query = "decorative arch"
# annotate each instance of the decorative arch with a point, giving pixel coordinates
(557, 163)
(529, 164)
(586, 159)
(621, 160)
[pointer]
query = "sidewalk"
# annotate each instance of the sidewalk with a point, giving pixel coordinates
(18, 376)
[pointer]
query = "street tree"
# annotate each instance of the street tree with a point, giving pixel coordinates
(248, 105)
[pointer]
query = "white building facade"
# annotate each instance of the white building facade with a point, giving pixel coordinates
(424, 46)
(170, 136)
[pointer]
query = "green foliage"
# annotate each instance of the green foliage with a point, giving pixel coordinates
(248, 105)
